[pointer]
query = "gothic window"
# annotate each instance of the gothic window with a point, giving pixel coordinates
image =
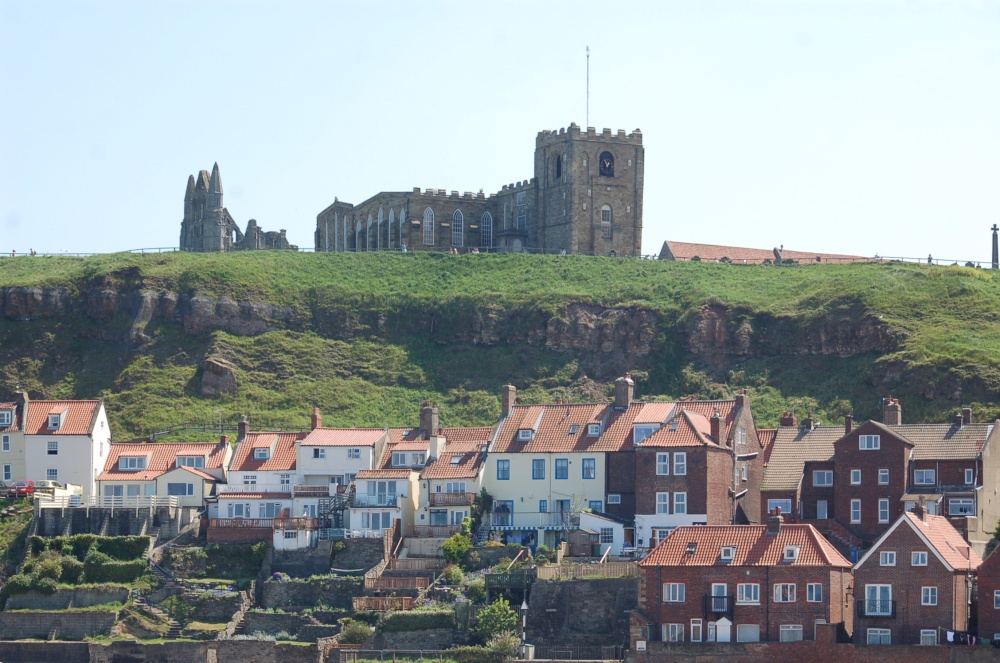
(392, 219)
(522, 220)
(458, 228)
(558, 167)
(357, 237)
(402, 220)
(378, 236)
(606, 222)
(607, 163)
(428, 227)
(486, 231)
(368, 234)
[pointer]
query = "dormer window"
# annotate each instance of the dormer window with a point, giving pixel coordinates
(673, 425)
(869, 442)
(791, 553)
(131, 463)
(593, 430)
(191, 461)
(54, 421)
(261, 453)
(641, 431)
(6, 417)
(525, 435)
(728, 553)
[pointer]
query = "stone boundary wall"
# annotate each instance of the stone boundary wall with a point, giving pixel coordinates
(68, 625)
(67, 598)
(427, 639)
(335, 592)
(45, 652)
(807, 652)
(216, 608)
(270, 623)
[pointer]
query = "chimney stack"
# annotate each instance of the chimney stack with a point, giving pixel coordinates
(508, 396)
(966, 416)
(624, 390)
(224, 439)
(774, 522)
(919, 511)
(437, 443)
(428, 420)
(957, 420)
(787, 419)
(716, 423)
(808, 422)
(317, 419)
(742, 399)
(849, 423)
(892, 413)
(558, 400)
(244, 429)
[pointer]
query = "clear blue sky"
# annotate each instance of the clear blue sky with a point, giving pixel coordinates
(861, 127)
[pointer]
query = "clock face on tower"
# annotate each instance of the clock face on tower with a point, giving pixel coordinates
(607, 164)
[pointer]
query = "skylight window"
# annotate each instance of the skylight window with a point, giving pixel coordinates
(455, 460)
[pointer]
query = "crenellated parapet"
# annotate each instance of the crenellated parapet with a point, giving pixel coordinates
(574, 132)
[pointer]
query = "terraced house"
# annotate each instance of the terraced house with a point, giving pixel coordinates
(186, 472)
(66, 441)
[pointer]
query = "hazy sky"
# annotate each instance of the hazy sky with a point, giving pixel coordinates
(856, 127)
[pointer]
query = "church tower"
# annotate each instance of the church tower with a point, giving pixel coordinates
(205, 226)
(589, 191)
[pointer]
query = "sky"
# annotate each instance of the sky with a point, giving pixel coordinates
(865, 127)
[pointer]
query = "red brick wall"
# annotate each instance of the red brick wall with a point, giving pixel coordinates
(621, 481)
(236, 534)
(951, 611)
(718, 481)
(989, 582)
(892, 455)
(696, 482)
(812, 494)
(748, 507)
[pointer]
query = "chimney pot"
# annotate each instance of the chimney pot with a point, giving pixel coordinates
(787, 419)
(508, 396)
(223, 439)
(892, 413)
(849, 423)
(243, 429)
(808, 423)
(966, 416)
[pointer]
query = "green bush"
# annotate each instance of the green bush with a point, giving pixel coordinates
(476, 592)
(46, 585)
(49, 568)
(18, 584)
(72, 569)
(498, 617)
(354, 632)
(99, 567)
(505, 643)
(417, 620)
(455, 548)
(452, 575)
(123, 548)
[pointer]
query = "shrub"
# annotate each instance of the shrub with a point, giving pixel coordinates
(474, 655)
(476, 592)
(493, 544)
(506, 643)
(99, 567)
(545, 554)
(452, 575)
(455, 548)
(123, 548)
(72, 569)
(417, 620)
(355, 632)
(46, 585)
(49, 568)
(498, 617)
(18, 584)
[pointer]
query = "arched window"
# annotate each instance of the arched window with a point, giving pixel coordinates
(336, 234)
(392, 219)
(402, 220)
(428, 227)
(486, 230)
(458, 228)
(357, 238)
(606, 222)
(558, 167)
(607, 164)
(378, 236)
(368, 234)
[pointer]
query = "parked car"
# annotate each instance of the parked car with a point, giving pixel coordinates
(48, 487)
(20, 489)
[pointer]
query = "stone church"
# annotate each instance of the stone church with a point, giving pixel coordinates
(585, 197)
(208, 226)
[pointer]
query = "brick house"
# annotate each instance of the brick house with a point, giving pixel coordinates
(701, 464)
(915, 584)
(988, 579)
(744, 583)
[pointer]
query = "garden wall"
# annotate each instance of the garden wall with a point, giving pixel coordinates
(67, 598)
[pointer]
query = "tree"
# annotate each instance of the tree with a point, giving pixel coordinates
(455, 548)
(496, 618)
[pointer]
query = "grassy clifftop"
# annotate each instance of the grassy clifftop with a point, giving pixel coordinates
(367, 337)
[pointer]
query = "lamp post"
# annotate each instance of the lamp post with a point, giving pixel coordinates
(524, 624)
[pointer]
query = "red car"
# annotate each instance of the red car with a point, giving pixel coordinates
(20, 489)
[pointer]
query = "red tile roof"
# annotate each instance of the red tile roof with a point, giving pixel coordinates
(754, 547)
(14, 423)
(940, 536)
(78, 419)
(766, 437)
(692, 430)
(282, 454)
(411, 439)
(711, 252)
(470, 460)
(161, 458)
(343, 437)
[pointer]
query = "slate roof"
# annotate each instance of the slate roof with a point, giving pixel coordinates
(282, 456)
(940, 536)
(343, 437)
(161, 458)
(713, 252)
(754, 547)
(791, 449)
(78, 419)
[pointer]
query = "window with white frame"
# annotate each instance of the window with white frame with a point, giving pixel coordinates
(319, 453)
(673, 592)
(883, 511)
(249, 479)
(814, 592)
(525, 435)
(743, 472)
(680, 502)
(593, 430)
(291, 534)
(180, 489)
(131, 463)
(878, 600)
(641, 431)
(791, 632)
(269, 509)
(52, 447)
(6, 418)
(748, 593)
(680, 463)
(791, 553)
(663, 464)
(606, 222)
(784, 592)
(883, 477)
(928, 595)
(928, 636)
(52, 474)
(748, 633)
(923, 477)
(741, 436)
(887, 558)
(663, 503)
(727, 553)
(261, 453)
(353, 453)
(6, 443)
(823, 477)
(868, 442)
(286, 479)
(191, 461)
(918, 558)
(696, 633)
(418, 458)
(855, 477)
(879, 636)
(486, 230)
(614, 498)
(428, 227)
(54, 421)
(961, 506)
(969, 476)
(673, 632)
(607, 535)
(855, 511)
(8, 474)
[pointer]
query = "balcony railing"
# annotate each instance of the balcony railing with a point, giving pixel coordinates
(437, 531)
(237, 488)
(717, 605)
(242, 523)
(535, 520)
(296, 523)
(313, 490)
(382, 603)
(876, 608)
(375, 499)
(452, 499)
(103, 502)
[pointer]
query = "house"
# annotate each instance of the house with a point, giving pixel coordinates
(382, 497)
(914, 586)
(609, 529)
(188, 472)
(451, 481)
(12, 463)
(744, 583)
(988, 580)
(66, 441)
(700, 464)
(333, 456)
(798, 470)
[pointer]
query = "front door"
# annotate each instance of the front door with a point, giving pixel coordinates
(723, 630)
(821, 510)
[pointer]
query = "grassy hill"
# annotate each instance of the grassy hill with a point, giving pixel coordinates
(368, 337)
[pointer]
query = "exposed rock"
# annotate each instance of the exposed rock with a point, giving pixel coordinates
(24, 303)
(218, 377)
(202, 313)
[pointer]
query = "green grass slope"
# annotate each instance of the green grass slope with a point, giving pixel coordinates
(369, 336)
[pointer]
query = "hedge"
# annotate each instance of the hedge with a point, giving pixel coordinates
(417, 620)
(123, 548)
(99, 567)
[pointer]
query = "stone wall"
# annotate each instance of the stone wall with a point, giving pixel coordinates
(270, 623)
(335, 592)
(66, 598)
(304, 563)
(209, 607)
(806, 652)
(218, 651)
(428, 639)
(582, 612)
(45, 652)
(490, 556)
(67, 625)
(357, 554)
